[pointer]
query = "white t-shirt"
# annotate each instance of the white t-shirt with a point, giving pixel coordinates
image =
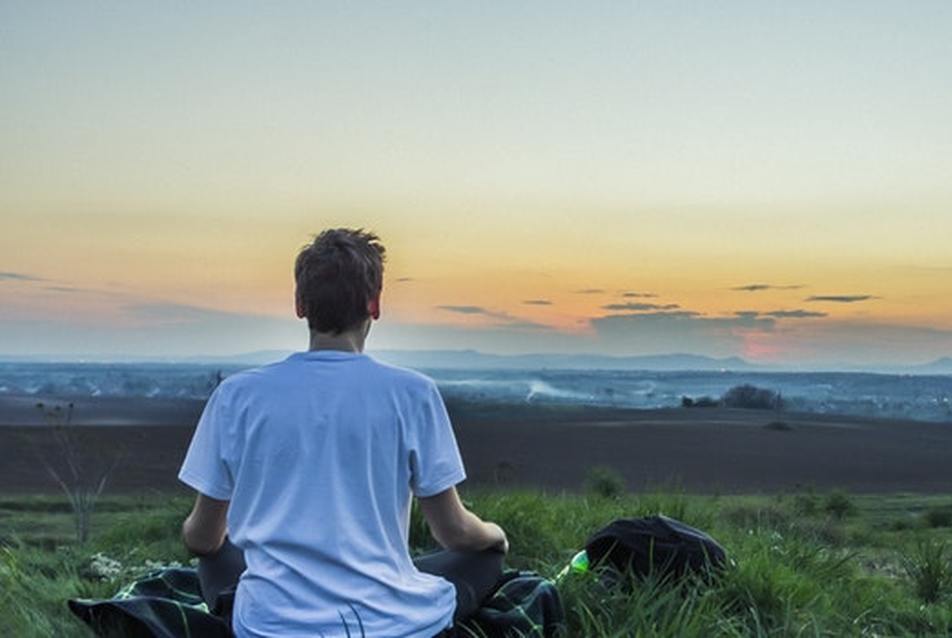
(318, 455)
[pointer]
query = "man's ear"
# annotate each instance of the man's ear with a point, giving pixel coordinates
(373, 307)
(298, 307)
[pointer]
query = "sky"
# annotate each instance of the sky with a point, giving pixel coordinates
(765, 180)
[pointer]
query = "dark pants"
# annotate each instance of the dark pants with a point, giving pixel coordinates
(474, 574)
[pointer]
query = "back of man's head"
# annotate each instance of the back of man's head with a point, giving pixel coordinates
(336, 276)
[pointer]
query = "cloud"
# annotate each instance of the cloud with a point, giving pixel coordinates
(524, 324)
(677, 331)
(781, 314)
(168, 329)
(860, 342)
(153, 329)
(638, 295)
(68, 289)
(18, 276)
(841, 298)
(675, 314)
(467, 310)
(174, 313)
(537, 302)
(794, 314)
(762, 287)
(51, 285)
(589, 291)
(504, 319)
(640, 306)
(492, 338)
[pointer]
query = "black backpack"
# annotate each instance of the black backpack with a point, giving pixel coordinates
(655, 545)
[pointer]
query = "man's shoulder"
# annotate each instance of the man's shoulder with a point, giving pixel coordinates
(412, 380)
(405, 381)
(244, 379)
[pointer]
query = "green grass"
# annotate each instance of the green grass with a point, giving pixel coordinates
(806, 564)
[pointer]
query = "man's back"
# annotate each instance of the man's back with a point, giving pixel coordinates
(318, 455)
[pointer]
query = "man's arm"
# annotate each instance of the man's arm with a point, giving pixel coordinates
(203, 532)
(455, 527)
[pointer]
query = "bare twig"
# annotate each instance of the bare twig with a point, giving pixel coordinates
(82, 488)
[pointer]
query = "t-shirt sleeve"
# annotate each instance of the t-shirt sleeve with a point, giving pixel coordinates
(435, 461)
(205, 468)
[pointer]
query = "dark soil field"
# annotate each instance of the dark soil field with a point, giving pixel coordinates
(698, 450)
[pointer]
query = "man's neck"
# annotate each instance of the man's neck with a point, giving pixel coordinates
(350, 341)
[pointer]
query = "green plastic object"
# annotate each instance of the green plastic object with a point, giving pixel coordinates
(579, 562)
(578, 565)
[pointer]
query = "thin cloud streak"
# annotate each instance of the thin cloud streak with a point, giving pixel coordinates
(841, 298)
(670, 314)
(19, 276)
(782, 314)
(67, 289)
(762, 287)
(504, 319)
(636, 307)
(467, 310)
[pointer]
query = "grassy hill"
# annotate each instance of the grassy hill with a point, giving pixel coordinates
(806, 564)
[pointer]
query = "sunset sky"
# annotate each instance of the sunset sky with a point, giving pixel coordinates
(766, 180)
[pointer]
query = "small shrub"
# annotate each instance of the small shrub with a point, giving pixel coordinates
(755, 517)
(751, 397)
(821, 532)
(901, 525)
(669, 503)
(605, 481)
(839, 505)
(928, 568)
(938, 516)
(700, 402)
(806, 504)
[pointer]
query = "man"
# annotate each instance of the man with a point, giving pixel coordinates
(310, 466)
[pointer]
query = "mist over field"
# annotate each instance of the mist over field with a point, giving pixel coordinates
(923, 396)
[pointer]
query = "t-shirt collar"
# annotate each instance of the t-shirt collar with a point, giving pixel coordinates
(327, 355)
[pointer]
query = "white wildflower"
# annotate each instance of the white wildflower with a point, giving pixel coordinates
(104, 567)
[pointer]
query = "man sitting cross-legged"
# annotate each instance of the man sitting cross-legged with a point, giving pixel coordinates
(310, 465)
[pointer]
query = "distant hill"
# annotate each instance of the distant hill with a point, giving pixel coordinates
(471, 359)
(475, 360)
(257, 358)
(939, 366)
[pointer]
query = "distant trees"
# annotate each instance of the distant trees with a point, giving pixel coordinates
(744, 396)
(752, 397)
(81, 474)
(700, 402)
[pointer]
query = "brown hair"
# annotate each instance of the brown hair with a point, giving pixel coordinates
(337, 275)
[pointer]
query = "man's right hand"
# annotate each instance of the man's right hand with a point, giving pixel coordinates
(455, 527)
(502, 542)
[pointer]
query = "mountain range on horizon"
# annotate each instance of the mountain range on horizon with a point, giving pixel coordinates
(476, 360)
